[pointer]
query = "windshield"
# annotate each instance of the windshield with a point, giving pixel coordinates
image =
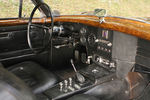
(10, 8)
(122, 8)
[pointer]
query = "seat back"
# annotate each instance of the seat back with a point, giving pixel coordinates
(12, 88)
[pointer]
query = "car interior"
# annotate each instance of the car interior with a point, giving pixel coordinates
(73, 58)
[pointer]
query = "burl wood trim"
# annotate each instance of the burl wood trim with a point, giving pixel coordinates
(127, 26)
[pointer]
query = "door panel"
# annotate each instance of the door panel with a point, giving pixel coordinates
(14, 47)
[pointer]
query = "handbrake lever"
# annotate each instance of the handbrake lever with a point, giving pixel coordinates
(79, 76)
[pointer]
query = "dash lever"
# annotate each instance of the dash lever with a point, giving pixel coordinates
(80, 77)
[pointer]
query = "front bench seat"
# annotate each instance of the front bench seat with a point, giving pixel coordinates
(36, 77)
(83, 97)
(12, 88)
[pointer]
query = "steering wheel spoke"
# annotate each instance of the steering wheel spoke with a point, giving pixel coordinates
(39, 26)
(48, 30)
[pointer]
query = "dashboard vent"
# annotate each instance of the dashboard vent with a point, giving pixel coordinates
(143, 56)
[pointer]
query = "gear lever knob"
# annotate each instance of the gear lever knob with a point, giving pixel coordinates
(79, 76)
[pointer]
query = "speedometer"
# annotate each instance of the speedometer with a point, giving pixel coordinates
(83, 35)
(91, 39)
(83, 31)
(83, 40)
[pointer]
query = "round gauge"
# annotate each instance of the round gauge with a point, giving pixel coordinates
(91, 39)
(83, 40)
(83, 31)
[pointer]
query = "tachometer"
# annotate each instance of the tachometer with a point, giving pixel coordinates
(83, 35)
(83, 31)
(83, 40)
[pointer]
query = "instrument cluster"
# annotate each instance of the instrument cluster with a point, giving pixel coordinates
(97, 41)
(99, 44)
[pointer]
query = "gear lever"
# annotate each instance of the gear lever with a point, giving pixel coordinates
(80, 77)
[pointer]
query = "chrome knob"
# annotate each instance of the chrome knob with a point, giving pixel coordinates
(70, 81)
(66, 83)
(77, 86)
(60, 86)
(66, 86)
(109, 44)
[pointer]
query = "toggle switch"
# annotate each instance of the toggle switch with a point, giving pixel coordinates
(71, 88)
(70, 81)
(77, 86)
(60, 86)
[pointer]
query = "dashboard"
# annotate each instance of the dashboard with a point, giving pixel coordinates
(99, 44)
(112, 50)
(106, 49)
(97, 41)
(115, 51)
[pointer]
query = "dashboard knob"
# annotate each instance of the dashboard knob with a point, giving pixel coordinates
(100, 60)
(66, 83)
(71, 88)
(77, 86)
(61, 86)
(109, 44)
(112, 65)
(70, 81)
(95, 71)
(97, 40)
(66, 86)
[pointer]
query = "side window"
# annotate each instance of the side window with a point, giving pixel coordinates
(27, 8)
(9, 8)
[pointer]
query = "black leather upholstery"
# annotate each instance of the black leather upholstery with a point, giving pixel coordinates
(12, 88)
(34, 76)
(83, 97)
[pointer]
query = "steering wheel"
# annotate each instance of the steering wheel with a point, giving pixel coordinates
(47, 29)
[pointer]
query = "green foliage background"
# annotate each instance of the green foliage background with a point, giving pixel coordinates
(125, 8)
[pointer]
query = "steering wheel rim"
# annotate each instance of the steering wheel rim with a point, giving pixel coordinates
(50, 30)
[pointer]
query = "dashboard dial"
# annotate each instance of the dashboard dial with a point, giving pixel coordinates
(83, 31)
(83, 40)
(91, 39)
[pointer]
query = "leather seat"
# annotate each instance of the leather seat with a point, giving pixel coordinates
(83, 97)
(36, 77)
(12, 88)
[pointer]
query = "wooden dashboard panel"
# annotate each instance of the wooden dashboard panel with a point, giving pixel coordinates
(133, 27)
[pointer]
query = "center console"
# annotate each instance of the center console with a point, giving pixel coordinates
(68, 87)
(99, 66)
(93, 75)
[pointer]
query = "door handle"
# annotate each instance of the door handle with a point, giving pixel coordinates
(6, 35)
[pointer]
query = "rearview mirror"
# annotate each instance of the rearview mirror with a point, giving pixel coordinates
(101, 13)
